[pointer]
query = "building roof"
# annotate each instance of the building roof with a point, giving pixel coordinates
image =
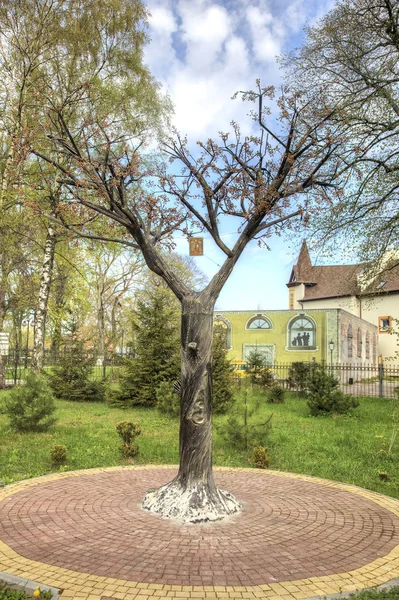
(340, 280)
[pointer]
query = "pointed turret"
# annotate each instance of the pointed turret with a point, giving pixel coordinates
(301, 272)
(304, 265)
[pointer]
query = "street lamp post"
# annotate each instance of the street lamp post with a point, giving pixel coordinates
(331, 346)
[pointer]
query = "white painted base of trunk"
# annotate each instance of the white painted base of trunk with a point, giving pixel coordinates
(193, 504)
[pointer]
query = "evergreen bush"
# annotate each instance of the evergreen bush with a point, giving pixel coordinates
(260, 372)
(323, 394)
(128, 431)
(222, 385)
(298, 374)
(265, 378)
(71, 379)
(157, 347)
(276, 395)
(58, 455)
(257, 363)
(260, 457)
(168, 402)
(241, 429)
(30, 407)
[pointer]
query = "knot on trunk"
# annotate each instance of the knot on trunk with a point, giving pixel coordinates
(193, 347)
(196, 413)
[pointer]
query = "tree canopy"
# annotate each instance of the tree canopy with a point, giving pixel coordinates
(353, 52)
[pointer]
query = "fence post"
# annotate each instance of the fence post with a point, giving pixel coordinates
(380, 375)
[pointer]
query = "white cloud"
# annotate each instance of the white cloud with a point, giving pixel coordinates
(160, 53)
(162, 20)
(266, 34)
(204, 30)
(203, 51)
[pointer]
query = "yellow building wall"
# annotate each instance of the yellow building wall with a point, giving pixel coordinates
(276, 336)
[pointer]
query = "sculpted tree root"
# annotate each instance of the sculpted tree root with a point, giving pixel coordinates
(195, 503)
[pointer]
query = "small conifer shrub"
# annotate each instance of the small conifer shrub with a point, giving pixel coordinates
(168, 402)
(298, 374)
(242, 429)
(222, 388)
(128, 431)
(260, 457)
(30, 407)
(58, 455)
(276, 395)
(71, 379)
(323, 394)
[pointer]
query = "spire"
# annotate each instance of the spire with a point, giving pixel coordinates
(304, 265)
(301, 272)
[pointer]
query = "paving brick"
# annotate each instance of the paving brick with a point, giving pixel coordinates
(296, 537)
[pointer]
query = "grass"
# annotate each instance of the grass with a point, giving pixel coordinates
(7, 593)
(352, 449)
(385, 594)
(88, 431)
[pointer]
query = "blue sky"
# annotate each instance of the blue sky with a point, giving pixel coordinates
(202, 51)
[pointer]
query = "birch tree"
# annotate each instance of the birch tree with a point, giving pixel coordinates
(51, 52)
(113, 271)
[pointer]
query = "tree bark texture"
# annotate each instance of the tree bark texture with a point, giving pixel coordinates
(59, 308)
(42, 302)
(3, 302)
(101, 316)
(2, 374)
(193, 497)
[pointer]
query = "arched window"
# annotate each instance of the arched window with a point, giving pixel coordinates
(350, 341)
(222, 327)
(301, 333)
(359, 343)
(258, 322)
(367, 345)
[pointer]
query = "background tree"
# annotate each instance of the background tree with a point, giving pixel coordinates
(94, 45)
(156, 328)
(112, 271)
(222, 388)
(354, 52)
(155, 335)
(71, 378)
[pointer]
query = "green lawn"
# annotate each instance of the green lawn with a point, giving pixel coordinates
(348, 449)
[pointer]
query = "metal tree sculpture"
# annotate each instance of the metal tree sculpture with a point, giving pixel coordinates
(264, 182)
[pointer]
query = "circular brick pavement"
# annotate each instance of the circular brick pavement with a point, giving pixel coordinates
(289, 529)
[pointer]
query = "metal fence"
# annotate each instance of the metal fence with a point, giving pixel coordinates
(358, 380)
(18, 364)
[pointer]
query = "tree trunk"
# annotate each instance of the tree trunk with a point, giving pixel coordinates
(2, 374)
(101, 320)
(3, 305)
(59, 308)
(193, 497)
(42, 303)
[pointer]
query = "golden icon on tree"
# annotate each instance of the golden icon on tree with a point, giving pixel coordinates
(196, 246)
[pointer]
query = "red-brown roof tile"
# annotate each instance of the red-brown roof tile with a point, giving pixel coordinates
(338, 280)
